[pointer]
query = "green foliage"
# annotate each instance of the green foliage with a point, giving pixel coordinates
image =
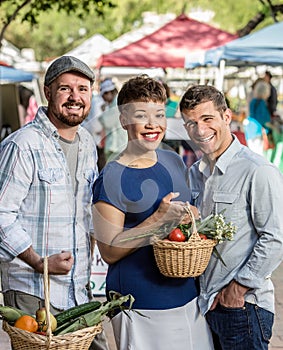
(53, 27)
(20, 12)
(30, 10)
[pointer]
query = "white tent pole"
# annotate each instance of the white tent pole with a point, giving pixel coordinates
(202, 76)
(220, 77)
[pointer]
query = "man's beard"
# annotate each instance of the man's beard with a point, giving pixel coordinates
(72, 120)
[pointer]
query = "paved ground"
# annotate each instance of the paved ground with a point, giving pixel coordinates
(276, 341)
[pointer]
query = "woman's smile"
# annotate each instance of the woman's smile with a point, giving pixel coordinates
(151, 136)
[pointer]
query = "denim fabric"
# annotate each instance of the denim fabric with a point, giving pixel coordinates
(247, 328)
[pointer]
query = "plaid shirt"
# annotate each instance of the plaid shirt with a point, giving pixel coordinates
(38, 206)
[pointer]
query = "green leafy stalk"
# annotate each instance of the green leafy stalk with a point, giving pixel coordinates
(163, 231)
(216, 252)
(94, 317)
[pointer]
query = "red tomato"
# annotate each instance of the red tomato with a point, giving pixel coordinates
(177, 235)
(202, 236)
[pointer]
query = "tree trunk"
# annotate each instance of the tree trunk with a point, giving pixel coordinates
(254, 22)
(10, 19)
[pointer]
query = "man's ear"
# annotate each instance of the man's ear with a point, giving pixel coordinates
(227, 116)
(47, 92)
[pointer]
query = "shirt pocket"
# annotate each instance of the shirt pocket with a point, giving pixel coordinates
(53, 185)
(51, 175)
(228, 203)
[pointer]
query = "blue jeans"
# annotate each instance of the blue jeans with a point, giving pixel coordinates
(246, 328)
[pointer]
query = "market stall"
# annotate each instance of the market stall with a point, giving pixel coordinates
(10, 78)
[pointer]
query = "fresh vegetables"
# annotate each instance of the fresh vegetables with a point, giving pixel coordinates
(212, 227)
(41, 319)
(94, 317)
(27, 323)
(71, 320)
(10, 314)
(177, 235)
(76, 311)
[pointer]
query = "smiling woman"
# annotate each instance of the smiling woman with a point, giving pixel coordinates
(141, 190)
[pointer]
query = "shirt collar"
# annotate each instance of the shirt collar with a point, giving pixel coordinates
(224, 160)
(49, 128)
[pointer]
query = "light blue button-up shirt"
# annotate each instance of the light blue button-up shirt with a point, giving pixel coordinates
(250, 189)
(38, 207)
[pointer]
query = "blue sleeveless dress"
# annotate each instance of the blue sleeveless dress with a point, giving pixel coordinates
(137, 193)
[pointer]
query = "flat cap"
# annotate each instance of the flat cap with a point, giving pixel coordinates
(66, 64)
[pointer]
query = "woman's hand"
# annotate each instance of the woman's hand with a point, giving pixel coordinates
(170, 210)
(176, 211)
(187, 217)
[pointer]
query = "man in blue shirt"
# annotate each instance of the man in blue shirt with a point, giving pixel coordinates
(237, 297)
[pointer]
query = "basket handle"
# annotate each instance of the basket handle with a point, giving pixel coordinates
(194, 236)
(47, 301)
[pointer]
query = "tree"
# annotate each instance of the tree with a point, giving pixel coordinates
(29, 10)
(240, 17)
(53, 27)
(268, 9)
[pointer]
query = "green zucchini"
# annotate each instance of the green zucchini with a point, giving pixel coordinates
(76, 311)
(94, 317)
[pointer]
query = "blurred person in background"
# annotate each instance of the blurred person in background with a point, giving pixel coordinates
(115, 137)
(272, 100)
(28, 105)
(259, 111)
(93, 125)
(258, 107)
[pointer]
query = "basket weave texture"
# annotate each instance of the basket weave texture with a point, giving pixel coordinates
(183, 259)
(24, 340)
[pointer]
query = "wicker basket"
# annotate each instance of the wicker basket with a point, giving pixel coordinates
(24, 340)
(183, 259)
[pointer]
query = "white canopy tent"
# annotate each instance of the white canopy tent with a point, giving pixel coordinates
(91, 49)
